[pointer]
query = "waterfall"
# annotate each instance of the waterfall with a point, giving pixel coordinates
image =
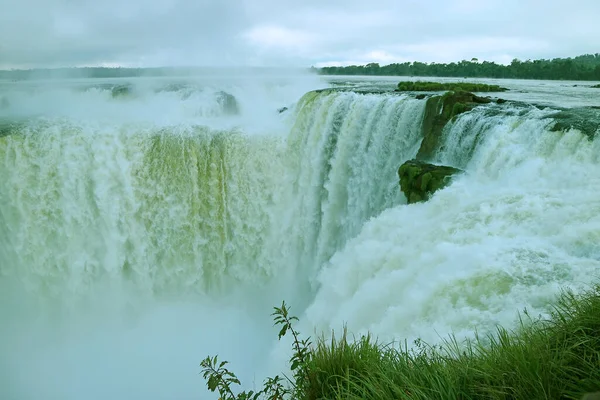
(140, 233)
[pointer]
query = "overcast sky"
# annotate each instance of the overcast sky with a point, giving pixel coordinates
(38, 33)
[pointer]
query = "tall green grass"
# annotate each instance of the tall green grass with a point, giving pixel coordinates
(557, 358)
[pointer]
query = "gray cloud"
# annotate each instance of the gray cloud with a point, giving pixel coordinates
(279, 32)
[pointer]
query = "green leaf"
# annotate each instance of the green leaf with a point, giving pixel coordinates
(283, 331)
(212, 384)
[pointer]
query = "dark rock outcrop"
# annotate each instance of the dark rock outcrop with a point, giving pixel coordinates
(439, 110)
(228, 103)
(419, 180)
(585, 119)
(121, 91)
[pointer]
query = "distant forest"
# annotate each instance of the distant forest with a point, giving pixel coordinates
(585, 67)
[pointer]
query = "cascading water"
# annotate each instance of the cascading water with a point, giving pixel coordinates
(142, 231)
(519, 225)
(139, 246)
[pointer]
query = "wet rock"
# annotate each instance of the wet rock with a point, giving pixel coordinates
(121, 91)
(420, 180)
(228, 103)
(439, 110)
(282, 109)
(584, 119)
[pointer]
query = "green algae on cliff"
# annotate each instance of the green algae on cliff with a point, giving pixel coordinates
(420, 180)
(439, 110)
(425, 86)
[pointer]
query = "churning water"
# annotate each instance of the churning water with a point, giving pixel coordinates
(146, 227)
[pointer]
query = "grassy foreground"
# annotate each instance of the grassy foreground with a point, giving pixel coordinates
(554, 359)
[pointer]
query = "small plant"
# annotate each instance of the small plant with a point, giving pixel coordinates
(220, 379)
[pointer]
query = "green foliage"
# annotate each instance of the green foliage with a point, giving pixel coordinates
(421, 86)
(220, 379)
(543, 359)
(584, 67)
(558, 358)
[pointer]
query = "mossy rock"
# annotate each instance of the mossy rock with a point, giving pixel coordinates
(420, 180)
(426, 86)
(439, 110)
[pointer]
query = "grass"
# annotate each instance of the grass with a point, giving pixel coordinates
(554, 359)
(558, 358)
(424, 86)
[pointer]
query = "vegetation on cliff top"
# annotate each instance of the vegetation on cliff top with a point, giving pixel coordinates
(426, 86)
(584, 67)
(542, 359)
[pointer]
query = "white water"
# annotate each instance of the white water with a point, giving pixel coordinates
(519, 225)
(139, 235)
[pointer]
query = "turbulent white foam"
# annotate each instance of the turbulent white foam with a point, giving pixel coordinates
(160, 101)
(139, 235)
(130, 240)
(519, 225)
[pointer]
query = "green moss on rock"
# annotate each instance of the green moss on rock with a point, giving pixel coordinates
(420, 180)
(439, 110)
(424, 86)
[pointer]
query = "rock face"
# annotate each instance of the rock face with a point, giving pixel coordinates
(586, 120)
(228, 103)
(439, 110)
(419, 180)
(121, 91)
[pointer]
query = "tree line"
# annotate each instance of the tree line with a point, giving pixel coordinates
(584, 67)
